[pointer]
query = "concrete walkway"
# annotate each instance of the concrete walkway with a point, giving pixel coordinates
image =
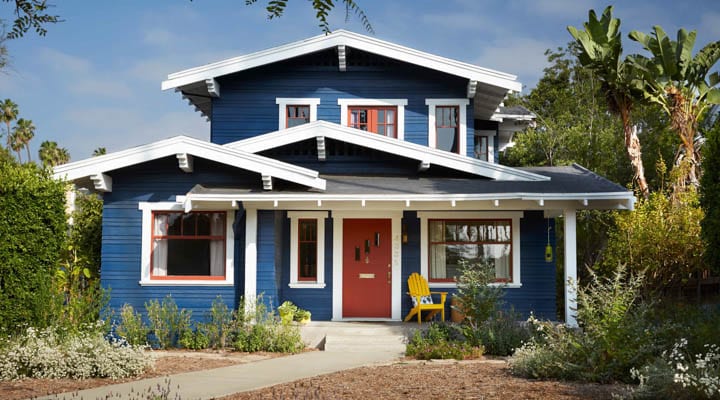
(219, 382)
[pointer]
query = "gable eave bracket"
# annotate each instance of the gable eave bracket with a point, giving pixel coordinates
(267, 182)
(342, 58)
(213, 87)
(423, 166)
(102, 182)
(321, 148)
(471, 88)
(185, 162)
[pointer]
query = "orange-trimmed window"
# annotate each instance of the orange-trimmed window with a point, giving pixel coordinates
(188, 245)
(453, 243)
(297, 115)
(307, 249)
(447, 128)
(380, 120)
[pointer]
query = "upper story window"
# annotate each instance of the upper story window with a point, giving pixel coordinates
(382, 116)
(296, 111)
(188, 245)
(307, 249)
(189, 249)
(484, 148)
(297, 115)
(447, 126)
(380, 120)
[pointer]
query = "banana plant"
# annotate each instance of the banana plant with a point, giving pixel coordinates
(682, 85)
(600, 45)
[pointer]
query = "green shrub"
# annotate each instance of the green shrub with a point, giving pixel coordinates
(33, 230)
(258, 328)
(54, 353)
(502, 334)
(167, 323)
(441, 341)
(131, 326)
(195, 339)
(219, 325)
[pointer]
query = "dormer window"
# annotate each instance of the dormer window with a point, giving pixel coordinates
(296, 111)
(447, 125)
(380, 120)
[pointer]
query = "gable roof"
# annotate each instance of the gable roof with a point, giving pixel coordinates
(423, 154)
(489, 87)
(182, 146)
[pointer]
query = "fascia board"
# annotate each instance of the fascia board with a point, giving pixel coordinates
(322, 42)
(414, 197)
(195, 147)
(390, 145)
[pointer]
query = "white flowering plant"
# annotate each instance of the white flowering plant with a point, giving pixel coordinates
(57, 353)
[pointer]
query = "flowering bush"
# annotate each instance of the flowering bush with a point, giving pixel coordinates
(441, 341)
(51, 353)
(679, 375)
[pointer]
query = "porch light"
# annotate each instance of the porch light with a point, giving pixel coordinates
(404, 233)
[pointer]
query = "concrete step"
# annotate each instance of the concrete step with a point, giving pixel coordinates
(361, 343)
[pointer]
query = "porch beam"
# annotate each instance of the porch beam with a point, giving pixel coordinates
(570, 275)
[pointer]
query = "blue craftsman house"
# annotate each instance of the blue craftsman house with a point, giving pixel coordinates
(336, 167)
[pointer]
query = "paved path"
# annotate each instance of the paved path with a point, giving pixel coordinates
(219, 382)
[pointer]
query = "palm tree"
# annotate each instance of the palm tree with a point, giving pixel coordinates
(25, 130)
(682, 86)
(8, 113)
(52, 155)
(100, 151)
(600, 50)
(16, 144)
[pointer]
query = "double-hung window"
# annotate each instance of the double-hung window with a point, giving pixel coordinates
(188, 245)
(295, 111)
(307, 249)
(447, 125)
(380, 120)
(297, 115)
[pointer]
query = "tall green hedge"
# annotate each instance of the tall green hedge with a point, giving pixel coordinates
(33, 230)
(710, 197)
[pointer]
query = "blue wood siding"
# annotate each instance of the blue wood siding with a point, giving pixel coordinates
(317, 301)
(410, 256)
(266, 278)
(247, 105)
(159, 180)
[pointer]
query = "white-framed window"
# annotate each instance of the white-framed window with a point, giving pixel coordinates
(352, 112)
(186, 249)
(296, 111)
(307, 249)
(447, 124)
(484, 146)
(488, 237)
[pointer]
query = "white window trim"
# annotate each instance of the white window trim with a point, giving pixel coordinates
(283, 102)
(490, 135)
(147, 209)
(432, 134)
(513, 215)
(399, 103)
(295, 216)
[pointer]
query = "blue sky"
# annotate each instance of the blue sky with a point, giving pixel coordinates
(94, 80)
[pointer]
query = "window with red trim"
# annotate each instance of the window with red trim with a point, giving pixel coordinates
(481, 148)
(447, 128)
(307, 250)
(188, 245)
(297, 115)
(380, 120)
(453, 243)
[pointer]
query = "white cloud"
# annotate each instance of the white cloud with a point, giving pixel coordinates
(64, 63)
(102, 87)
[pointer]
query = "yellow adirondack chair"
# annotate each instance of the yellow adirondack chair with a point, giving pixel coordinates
(421, 294)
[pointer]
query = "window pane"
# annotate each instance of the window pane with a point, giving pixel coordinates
(188, 257)
(188, 224)
(481, 148)
(390, 131)
(174, 224)
(390, 117)
(381, 130)
(203, 224)
(447, 139)
(307, 249)
(436, 231)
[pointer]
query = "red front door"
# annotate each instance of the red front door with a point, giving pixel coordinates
(367, 268)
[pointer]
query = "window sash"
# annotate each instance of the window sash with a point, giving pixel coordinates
(380, 120)
(472, 240)
(307, 250)
(481, 148)
(297, 114)
(174, 232)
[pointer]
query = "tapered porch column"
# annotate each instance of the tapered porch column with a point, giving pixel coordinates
(570, 267)
(250, 257)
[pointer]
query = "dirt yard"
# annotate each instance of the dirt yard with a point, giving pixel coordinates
(477, 379)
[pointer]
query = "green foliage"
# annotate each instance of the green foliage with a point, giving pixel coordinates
(260, 329)
(54, 353)
(167, 323)
(32, 228)
(289, 312)
(710, 196)
(276, 8)
(196, 339)
(131, 326)
(616, 335)
(660, 239)
(31, 14)
(441, 341)
(476, 299)
(502, 333)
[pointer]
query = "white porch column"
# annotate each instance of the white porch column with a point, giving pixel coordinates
(570, 266)
(250, 258)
